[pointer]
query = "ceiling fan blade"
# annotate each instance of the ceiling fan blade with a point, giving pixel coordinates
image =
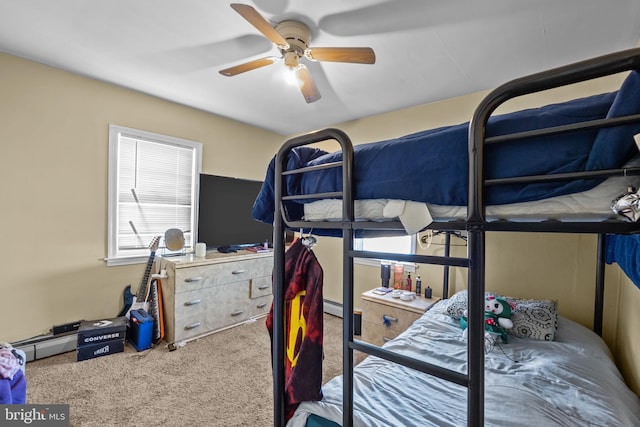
(360, 55)
(307, 86)
(248, 66)
(261, 24)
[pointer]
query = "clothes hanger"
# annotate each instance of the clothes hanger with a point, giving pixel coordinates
(308, 241)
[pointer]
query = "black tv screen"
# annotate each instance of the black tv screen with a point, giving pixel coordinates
(224, 214)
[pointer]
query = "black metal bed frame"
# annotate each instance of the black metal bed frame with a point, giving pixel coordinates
(476, 226)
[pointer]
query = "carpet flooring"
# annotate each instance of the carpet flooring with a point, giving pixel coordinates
(222, 380)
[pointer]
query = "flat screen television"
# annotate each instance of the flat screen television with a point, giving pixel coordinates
(224, 213)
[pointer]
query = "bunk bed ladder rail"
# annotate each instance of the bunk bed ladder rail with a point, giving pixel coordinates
(443, 373)
(476, 214)
(280, 220)
(348, 226)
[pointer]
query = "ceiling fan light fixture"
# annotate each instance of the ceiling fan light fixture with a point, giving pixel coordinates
(291, 59)
(291, 76)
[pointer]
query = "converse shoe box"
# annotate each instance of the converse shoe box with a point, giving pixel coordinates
(101, 337)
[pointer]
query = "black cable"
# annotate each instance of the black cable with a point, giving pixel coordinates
(505, 354)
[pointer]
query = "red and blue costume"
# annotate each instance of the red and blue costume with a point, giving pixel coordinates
(303, 323)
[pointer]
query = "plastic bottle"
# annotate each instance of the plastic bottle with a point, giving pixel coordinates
(385, 274)
(418, 286)
(398, 270)
(408, 284)
(427, 292)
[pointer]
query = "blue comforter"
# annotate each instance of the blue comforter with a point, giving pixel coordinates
(431, 166)
(625, 251)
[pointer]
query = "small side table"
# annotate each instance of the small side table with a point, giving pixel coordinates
(385, 317)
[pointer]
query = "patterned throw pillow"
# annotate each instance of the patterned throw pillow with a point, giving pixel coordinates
(533, 319)
(457, 304)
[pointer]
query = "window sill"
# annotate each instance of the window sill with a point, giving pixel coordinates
(114, 262)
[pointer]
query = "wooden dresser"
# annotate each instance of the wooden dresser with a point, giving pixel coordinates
(205, 295)
(385, 317)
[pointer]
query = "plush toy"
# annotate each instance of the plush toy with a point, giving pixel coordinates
(497, 319)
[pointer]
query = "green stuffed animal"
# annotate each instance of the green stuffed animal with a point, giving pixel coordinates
(497, 319)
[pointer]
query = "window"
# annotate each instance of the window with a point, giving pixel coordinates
(153, 186)
(405, 244)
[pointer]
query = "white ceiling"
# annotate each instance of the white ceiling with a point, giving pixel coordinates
(426, 50)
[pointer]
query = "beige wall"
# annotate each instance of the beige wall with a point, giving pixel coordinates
(54, 139)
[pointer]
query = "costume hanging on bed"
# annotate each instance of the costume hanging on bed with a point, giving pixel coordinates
(303, 326)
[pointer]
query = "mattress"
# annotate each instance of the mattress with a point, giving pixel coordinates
(571, 381)
(590, 205)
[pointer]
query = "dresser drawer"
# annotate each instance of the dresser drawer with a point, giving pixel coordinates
(207, 299)
(260, 305)
(203, 276)
(206, 322)
(377, 334)
(217, 308)
(260, 286)
(397, 319)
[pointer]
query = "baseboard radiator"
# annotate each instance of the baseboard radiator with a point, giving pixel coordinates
(47, 345)
(332, 307)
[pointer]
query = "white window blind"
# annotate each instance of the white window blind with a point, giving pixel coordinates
(153, 186)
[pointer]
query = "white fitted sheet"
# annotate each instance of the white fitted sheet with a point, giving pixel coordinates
(591, 205)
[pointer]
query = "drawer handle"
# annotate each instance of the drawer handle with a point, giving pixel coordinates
(262, 305)
(192, 326)
(387, 320)
(238, 271)
(237, 313)
(263, 287)
(193, 302)
(193, 279)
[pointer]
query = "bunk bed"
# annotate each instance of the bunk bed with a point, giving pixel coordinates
(489, 169)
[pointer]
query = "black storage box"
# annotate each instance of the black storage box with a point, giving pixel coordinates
(101, 337)
(102, 348)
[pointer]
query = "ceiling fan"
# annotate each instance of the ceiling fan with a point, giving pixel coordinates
(292, 39)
